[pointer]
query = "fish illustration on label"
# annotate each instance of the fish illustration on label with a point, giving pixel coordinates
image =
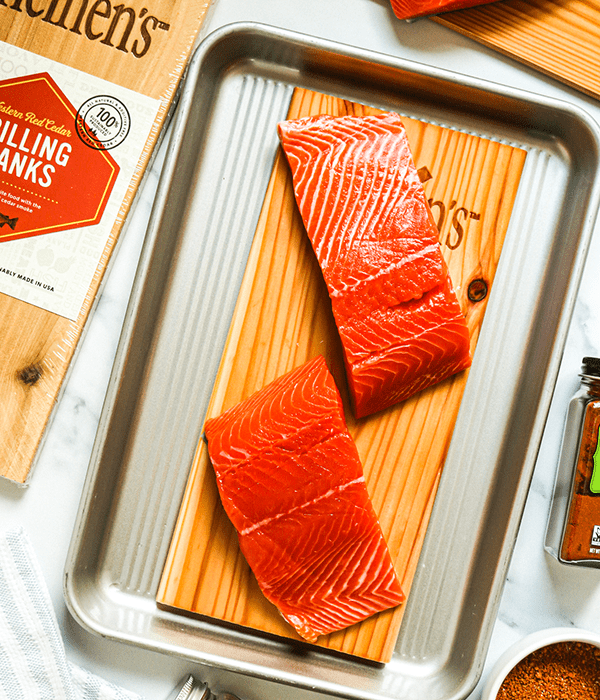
(6, 220)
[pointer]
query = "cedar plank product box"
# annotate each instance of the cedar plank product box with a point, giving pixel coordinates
(85, 88)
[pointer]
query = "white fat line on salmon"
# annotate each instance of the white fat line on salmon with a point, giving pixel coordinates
(387, 198)
(366, 206)
(365, 554)
(240, 457)
(331, 492)
(321, 147)
(427, 379)
(313, 156)
(349, 205)
(325, 167)
(375, 357)
(353, 154)
(384, 271)
(347, 147)
(335, 148)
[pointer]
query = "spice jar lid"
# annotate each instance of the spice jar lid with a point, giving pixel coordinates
(190, 689)
(591, 365)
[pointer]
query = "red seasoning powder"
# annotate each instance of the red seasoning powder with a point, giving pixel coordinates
(561, 671)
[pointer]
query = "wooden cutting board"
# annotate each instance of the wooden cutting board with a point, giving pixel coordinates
(283, 318)
(147, 56)
(560, 39)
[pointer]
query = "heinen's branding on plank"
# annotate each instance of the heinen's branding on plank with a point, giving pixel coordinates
(117, 26)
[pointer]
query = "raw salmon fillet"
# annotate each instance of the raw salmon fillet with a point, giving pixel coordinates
(291, 482)
(409, 9)
(365, 212)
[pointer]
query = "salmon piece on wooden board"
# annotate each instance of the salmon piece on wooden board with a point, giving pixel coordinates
(409, 9)
(291, 481)
(365, 212)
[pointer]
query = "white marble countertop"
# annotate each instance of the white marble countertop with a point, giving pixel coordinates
(539, 592)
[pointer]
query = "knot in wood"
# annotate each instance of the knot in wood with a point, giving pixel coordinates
(477, 290)
(30, 375)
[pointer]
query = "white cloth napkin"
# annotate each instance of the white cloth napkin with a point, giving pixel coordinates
(33, 664)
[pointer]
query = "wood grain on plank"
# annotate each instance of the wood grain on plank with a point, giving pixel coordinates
(36, 346)
(560, 39)
(283, 318)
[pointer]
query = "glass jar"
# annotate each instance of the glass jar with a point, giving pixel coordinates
(573, 531)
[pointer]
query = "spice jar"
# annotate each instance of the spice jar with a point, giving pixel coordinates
(573, 531)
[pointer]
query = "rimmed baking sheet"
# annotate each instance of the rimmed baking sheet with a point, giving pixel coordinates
(238, 86)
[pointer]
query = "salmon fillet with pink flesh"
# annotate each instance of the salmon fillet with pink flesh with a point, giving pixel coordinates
(407, 9)
(365, 212)
(291, 482)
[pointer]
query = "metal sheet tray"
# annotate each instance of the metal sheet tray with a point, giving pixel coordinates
(223, 143)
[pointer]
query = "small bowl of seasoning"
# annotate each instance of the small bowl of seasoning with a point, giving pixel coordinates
(562, 663)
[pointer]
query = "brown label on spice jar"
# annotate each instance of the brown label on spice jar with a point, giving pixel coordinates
(581, 539)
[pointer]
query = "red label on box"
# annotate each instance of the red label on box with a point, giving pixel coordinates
(54, 174)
